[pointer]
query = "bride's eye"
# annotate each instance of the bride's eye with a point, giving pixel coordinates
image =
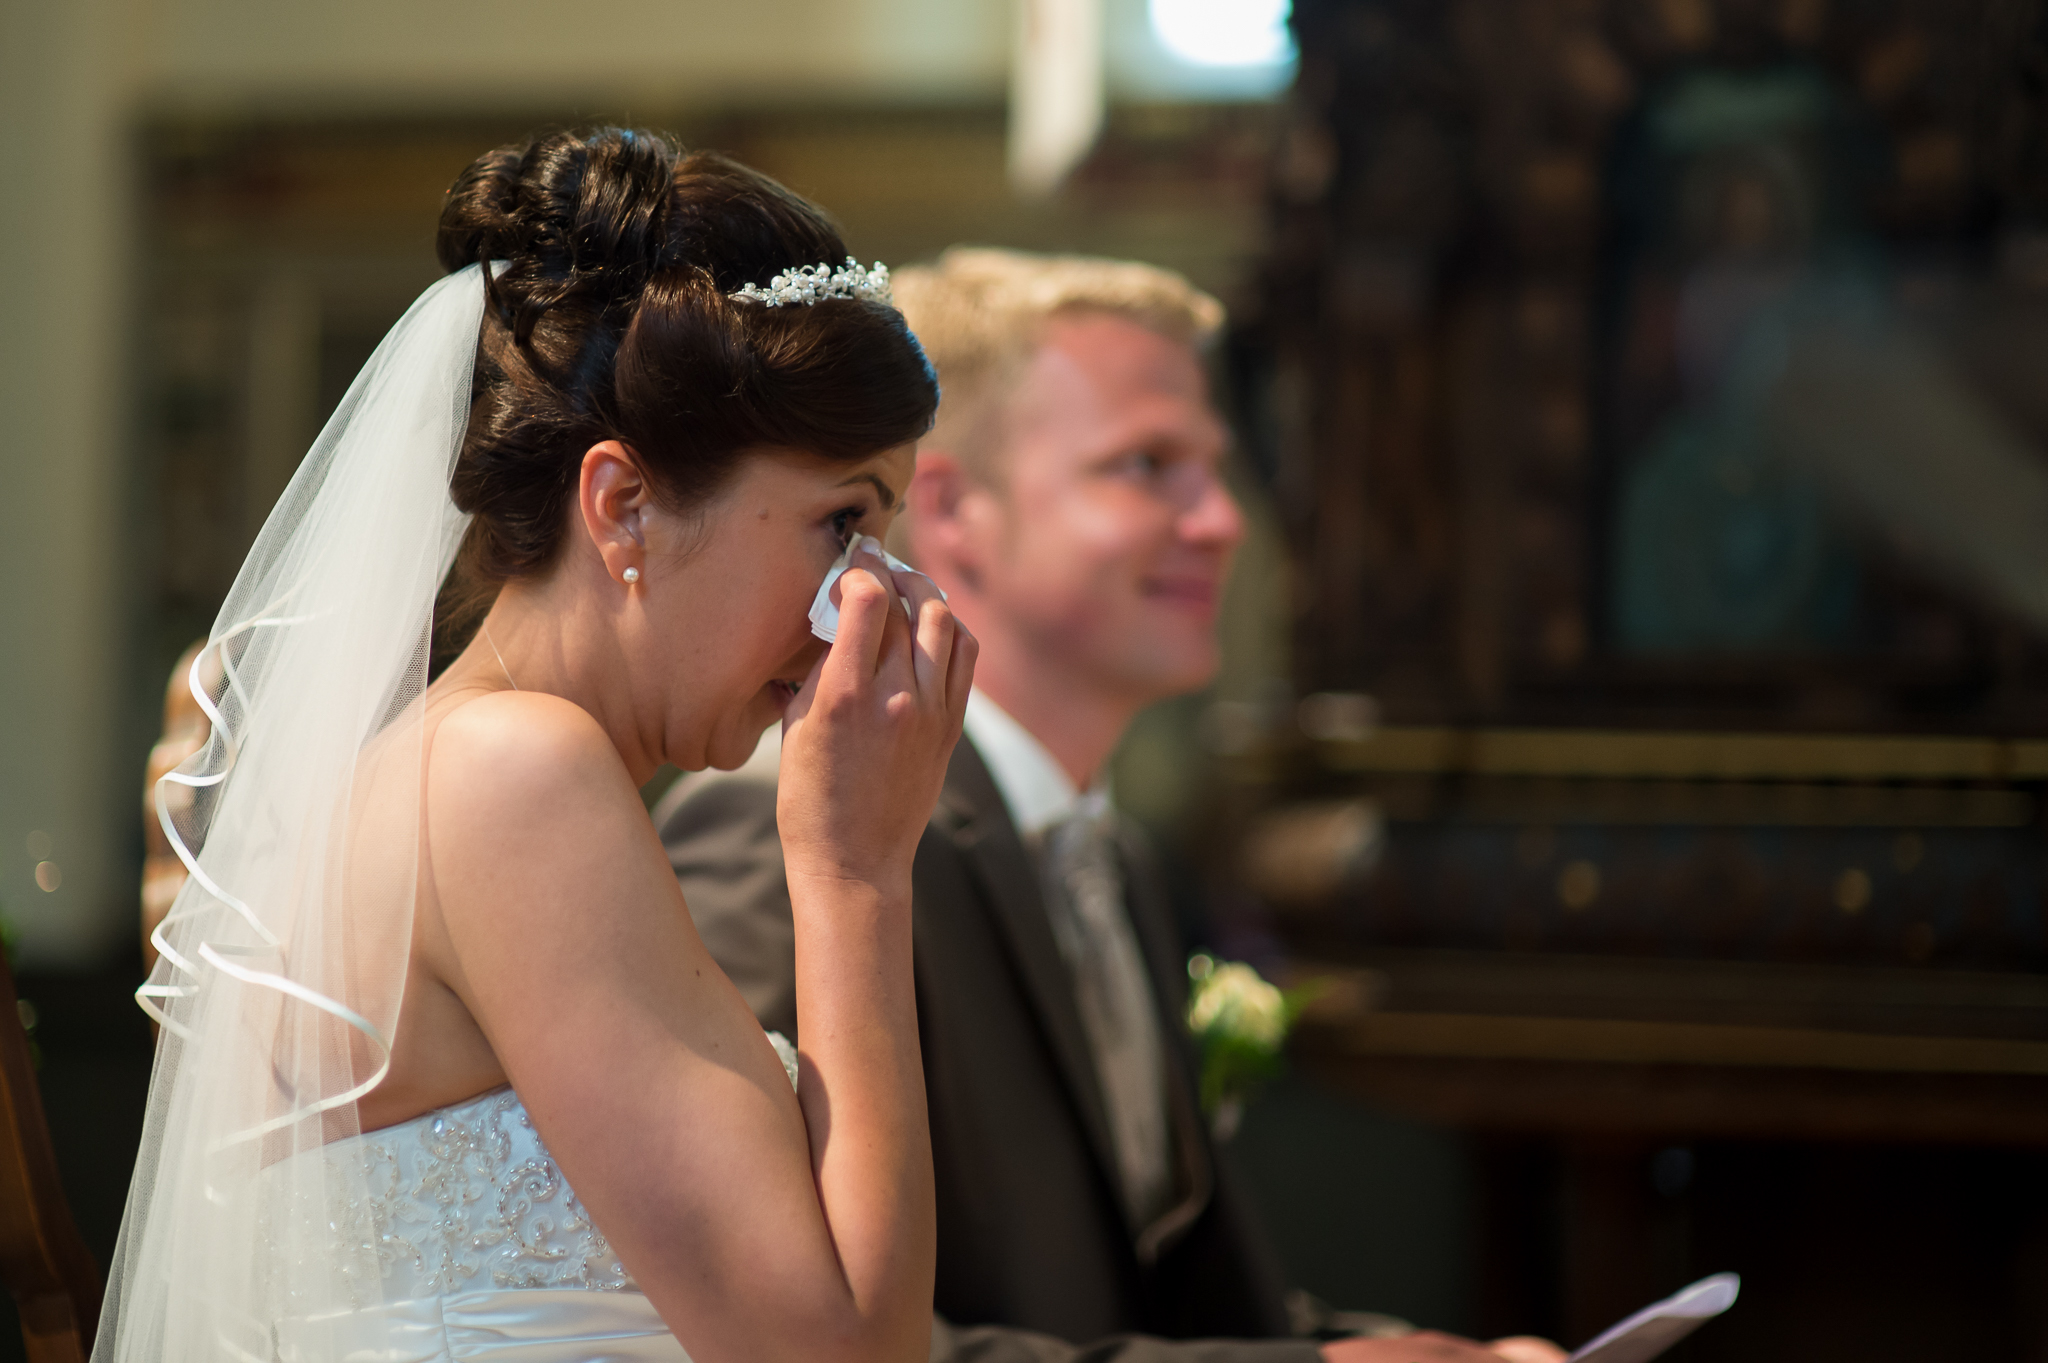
(845, 520)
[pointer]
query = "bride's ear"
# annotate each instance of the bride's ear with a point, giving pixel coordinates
(615, 498)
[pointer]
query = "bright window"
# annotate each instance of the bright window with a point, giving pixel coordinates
(1224, 32)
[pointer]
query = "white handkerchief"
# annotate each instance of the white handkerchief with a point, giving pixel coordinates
(825, 613)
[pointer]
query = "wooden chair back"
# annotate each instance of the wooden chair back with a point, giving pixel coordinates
(44, 1262)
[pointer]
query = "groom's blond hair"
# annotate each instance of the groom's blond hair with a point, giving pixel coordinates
(979, 314)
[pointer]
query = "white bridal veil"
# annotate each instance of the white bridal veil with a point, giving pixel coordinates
(281, 967)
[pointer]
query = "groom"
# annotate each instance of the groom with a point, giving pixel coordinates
(1070, 503)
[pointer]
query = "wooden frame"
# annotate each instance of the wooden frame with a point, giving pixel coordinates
(46, 1265)
(1436, 325)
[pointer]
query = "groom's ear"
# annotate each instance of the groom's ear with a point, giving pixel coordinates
(614, 496)
(949, 516)
(940, 540)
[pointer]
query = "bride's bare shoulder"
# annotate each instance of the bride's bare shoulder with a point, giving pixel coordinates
(513, 753)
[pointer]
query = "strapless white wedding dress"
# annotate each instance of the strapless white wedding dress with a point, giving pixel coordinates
(485, 1255)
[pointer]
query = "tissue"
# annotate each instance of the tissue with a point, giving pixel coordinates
(825, 613)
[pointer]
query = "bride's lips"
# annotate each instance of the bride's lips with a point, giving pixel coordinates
(784, 691)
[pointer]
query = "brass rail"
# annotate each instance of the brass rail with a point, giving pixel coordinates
(1616, 754)
(1475, 1036)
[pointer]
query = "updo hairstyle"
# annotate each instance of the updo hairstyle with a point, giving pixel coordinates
(611, 320)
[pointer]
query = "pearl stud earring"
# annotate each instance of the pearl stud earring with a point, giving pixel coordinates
(631, 575)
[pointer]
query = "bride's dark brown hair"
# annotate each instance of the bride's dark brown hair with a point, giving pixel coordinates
(612, 320)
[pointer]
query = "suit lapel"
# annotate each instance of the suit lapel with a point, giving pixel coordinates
(971, 812)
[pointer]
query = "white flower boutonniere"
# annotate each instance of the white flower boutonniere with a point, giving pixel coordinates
(1242, 1023)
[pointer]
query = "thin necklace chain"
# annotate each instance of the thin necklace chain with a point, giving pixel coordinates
(499, 656)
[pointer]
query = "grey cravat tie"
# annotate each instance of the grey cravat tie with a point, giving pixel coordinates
(1085, 899)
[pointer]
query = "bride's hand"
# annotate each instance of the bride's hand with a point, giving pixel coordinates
(867, 739)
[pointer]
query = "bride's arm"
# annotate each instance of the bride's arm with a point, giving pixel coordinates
(759, 1229)
(860, 773)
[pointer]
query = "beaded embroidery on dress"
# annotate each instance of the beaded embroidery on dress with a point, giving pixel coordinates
(468, 1198)
(470, 1241)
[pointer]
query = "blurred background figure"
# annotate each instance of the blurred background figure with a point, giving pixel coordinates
(1634, 684)
(185, 732)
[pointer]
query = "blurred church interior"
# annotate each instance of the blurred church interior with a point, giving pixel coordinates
(1636, 705)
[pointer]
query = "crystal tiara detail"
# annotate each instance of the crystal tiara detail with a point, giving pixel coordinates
(810, 283)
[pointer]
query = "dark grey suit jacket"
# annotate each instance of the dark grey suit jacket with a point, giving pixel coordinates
(1034, 1248)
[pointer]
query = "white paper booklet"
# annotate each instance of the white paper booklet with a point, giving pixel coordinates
(1655, 1328)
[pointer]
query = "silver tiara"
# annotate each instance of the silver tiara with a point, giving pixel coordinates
(810, 283)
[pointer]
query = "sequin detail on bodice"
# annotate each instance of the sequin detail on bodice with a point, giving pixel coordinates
(467, 1198)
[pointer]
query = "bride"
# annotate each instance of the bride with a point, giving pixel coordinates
(446, 1071)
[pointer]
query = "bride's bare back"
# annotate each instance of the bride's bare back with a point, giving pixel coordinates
(440, 1053)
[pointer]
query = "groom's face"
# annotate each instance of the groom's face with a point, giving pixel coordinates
(1104, 533)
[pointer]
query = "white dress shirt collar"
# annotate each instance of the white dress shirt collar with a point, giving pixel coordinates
(1033, 784)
